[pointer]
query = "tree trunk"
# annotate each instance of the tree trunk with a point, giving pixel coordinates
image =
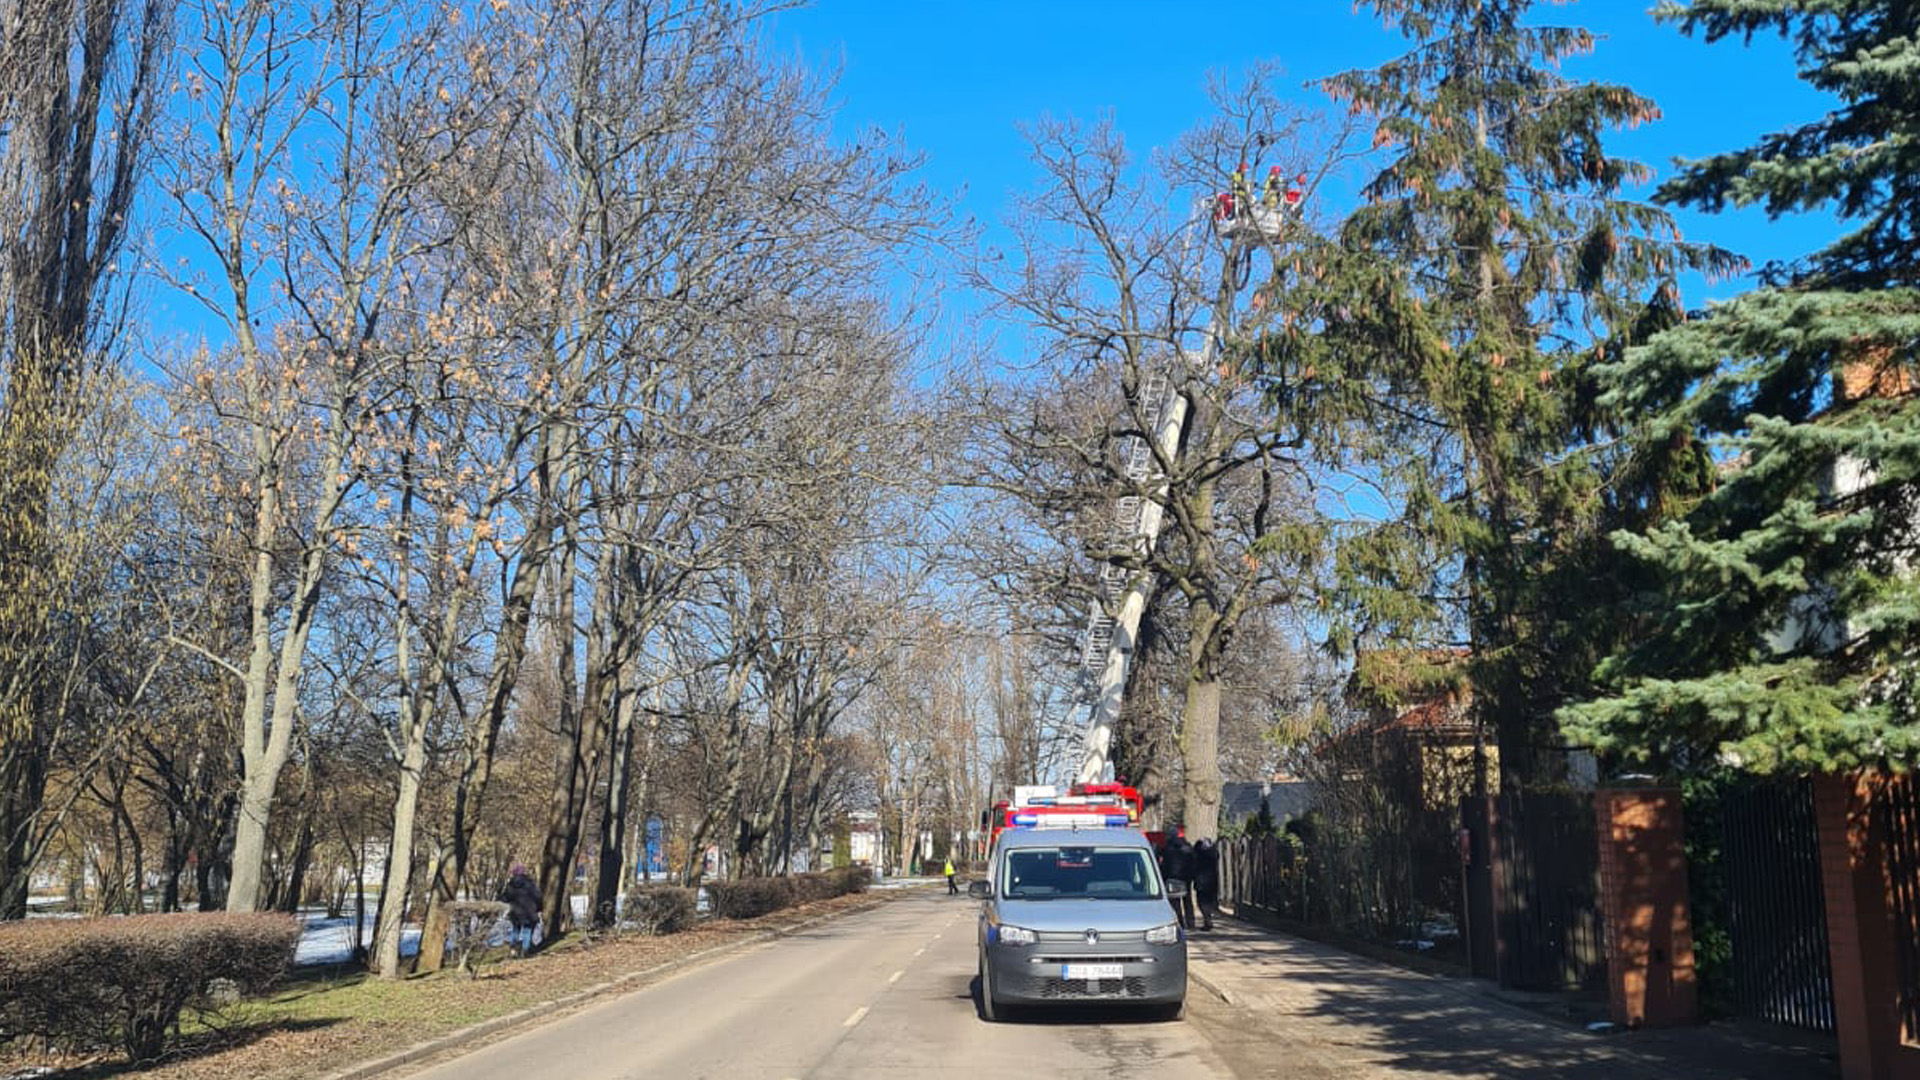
(439, 917)
(250, 839)
(509, 653)
(24, 776)
(613, 817)
(583, 723)
(393, 893)
(1200, 726)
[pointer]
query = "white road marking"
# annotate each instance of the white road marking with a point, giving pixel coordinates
(859, 1014)
(919, 950)
(895, 977)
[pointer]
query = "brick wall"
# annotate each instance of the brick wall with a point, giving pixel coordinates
(1860, 931)
(1643, 895)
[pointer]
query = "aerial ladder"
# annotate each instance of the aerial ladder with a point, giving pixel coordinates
(1113, 624)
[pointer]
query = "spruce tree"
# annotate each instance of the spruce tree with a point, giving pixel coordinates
(1784, 599)
(1458, 319)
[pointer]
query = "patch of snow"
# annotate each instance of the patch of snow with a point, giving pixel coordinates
(330, 941)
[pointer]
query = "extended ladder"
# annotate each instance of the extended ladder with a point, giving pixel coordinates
(1114, 623)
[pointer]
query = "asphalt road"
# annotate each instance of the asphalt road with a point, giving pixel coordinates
(885, 993)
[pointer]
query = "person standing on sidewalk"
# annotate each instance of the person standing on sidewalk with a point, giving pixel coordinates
(522, 897)
(953, 889)
(1176, 864)
(1206, 880)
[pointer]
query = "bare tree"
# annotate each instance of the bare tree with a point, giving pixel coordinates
(1119, 284)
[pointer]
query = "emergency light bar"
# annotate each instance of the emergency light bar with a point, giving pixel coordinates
(1072, 821)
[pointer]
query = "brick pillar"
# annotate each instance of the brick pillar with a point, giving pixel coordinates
(1860, 930)
(1644, 902)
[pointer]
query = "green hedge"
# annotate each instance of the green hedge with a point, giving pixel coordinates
(85, 983)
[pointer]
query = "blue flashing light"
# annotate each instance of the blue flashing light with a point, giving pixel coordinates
(1026, 819)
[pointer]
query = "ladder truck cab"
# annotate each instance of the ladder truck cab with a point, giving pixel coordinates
(1082, 806)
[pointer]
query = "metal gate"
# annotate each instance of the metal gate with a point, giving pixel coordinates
(1548, 873)
(1898, 804)
(1776, 910)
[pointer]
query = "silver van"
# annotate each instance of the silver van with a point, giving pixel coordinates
(1078, 916)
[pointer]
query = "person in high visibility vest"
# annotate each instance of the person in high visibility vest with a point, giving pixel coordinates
(1270, 195)
(953, 889)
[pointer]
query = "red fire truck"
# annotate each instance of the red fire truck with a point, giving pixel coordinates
(1105, 805)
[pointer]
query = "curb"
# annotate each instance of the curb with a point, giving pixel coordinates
(533, 1015)
(1209, 985)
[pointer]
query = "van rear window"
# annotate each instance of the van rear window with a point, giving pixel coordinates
(1078, 873)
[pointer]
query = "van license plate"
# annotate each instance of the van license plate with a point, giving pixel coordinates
(1090, 971)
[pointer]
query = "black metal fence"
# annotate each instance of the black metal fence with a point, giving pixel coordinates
(1548, 867)
(1263, 872)
(1776, 912)
(1899, 806)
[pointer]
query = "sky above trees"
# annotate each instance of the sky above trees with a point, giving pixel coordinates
(959, 86)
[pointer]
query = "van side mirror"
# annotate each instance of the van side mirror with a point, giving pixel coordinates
(1176, 889)
(980, 890)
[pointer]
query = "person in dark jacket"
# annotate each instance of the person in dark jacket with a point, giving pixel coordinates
(1176, 864)
(522, 897)
(1206, 880)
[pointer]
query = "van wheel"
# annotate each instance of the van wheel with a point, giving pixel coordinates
(989, 1010)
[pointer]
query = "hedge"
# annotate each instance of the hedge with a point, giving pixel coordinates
(751, 898)
(662, 909)
(85, 983)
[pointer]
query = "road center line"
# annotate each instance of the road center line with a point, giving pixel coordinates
(919, 950)
(895, 977)
(859, 1014)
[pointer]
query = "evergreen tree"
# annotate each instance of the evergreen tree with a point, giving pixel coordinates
(1262, 823)
(1462, 311)
(1785, 600)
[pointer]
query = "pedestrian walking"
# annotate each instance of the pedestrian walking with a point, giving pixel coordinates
(953, 888)
(522, 897)
(1176, 864)
(1206, 880)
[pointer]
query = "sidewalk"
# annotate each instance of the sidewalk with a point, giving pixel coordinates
(1304, 1010)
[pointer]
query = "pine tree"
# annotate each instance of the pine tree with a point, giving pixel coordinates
(1785, 599)
(1494, 264)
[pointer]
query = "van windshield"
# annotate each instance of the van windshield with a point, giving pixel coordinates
(1078, 873)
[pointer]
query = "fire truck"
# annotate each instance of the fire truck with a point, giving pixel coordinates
(1081, 806)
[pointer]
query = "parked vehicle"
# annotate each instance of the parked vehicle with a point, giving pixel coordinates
(1077, 916)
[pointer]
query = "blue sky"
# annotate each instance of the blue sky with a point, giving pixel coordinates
(956, 79)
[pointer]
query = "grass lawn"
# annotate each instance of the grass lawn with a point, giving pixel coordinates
(323, 1020)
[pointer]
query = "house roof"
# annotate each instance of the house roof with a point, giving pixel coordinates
(1285, 798)
(1436, 715)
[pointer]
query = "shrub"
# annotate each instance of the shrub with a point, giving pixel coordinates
(749, 898)
(470, 927)
(812, 887)
(91, 982)
(850, 879)
(662, 909)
